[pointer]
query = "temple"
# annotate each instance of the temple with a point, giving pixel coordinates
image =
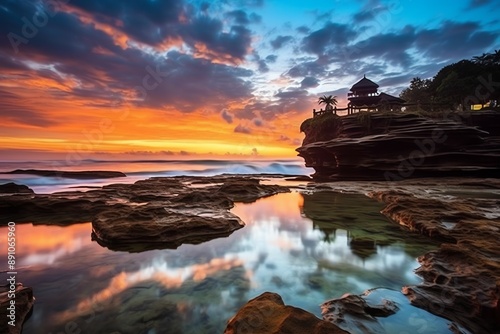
(364, 96)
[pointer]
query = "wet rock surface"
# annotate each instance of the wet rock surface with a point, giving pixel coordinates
(356, 313)
(462, 276)
(268, 314)
(23, 305)
(395, 146)
(152, 213)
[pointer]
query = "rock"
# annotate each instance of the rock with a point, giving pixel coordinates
(154, 226)
(246, 190)
(462, 276)
(353, 311)
(24, 303)
(69, 174)
(395, 146)
(49, 209)
(149, 214)
(268, 314)
(13, 188)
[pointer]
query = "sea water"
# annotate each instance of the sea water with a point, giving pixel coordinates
(307, 247)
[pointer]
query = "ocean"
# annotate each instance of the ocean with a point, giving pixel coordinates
(141, 169)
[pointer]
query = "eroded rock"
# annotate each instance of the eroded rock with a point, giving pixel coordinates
(154, 226)
(356, 313)
(395, 146)
(462, 276)
(268, 314)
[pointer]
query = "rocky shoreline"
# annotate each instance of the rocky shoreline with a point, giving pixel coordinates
(461, 278)
(396, 146)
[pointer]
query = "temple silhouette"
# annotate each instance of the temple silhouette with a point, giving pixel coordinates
(364, 95)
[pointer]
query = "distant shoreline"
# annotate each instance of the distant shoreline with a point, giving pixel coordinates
(98, 174)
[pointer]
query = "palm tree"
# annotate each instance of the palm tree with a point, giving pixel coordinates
(329, 101)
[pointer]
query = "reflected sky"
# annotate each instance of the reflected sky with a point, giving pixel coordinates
(308, 248)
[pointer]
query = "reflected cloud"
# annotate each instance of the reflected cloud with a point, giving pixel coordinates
(49, 243)
(160, 273)
(306, 247)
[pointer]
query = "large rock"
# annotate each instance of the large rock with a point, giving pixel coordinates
(268, 314)
(154, 226)
(395, 146)
(13, 188)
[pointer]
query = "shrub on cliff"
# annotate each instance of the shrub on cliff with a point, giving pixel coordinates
(323, 127)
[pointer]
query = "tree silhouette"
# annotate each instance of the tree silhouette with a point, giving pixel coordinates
(329, 101)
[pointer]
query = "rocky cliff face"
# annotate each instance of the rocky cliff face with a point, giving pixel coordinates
(395, 146)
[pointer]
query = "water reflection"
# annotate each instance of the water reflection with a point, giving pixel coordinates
(307, 248)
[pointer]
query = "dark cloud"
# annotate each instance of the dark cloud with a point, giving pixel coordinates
(373, 8)
(368, 14)
(242, 18)
(328, 38)
(246, 113)
(303, 29)
(10, 63)
(204, 6)
(250, 3)
(209, 31)
(263, 68)
(280, 41)
(308, 68)
(289, 101)
(450, 41)
(309, 82)
(184, 77)
(10, 109)
(104, 70)
(271, 58)
(454, 40)
(242, 129)
(146, 21)
(261, 63)
(150, 22)
(227, 116)
(395, 80)
(257, 122)
(479, 3)
(391, 47)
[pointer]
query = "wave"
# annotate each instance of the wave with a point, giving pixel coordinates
(142, 169)
(231, 168)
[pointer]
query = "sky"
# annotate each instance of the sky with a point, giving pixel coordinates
(86, 79)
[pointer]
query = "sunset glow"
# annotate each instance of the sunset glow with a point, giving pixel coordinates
(181, 78)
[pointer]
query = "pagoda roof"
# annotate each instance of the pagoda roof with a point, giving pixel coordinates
(364, 84)
(390, 98)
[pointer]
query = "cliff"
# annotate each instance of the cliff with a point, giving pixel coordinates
(395, 146)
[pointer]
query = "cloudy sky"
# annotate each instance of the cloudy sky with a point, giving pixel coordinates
(171, 78)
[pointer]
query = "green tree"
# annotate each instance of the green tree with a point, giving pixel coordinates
(418, 92)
